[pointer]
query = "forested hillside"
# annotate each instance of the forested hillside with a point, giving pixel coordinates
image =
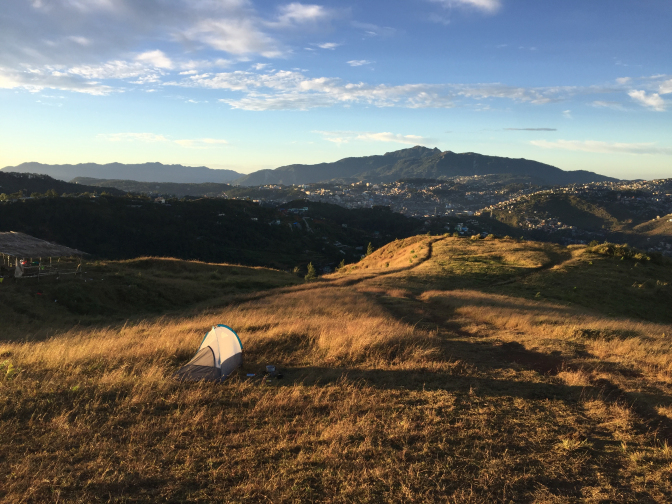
(215, 230)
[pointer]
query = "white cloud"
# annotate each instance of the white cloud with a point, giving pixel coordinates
(132, 137)
(276, 90)
(199, 64)
(567, 114)
(259, 66)
(116, 70)
(652, 100)
(36, 80)
(235, 36)
(82, 41)
(623, 80)
(301, 13)
(284, 101)
(666, 87)
(356, 63)
(328, 45)
(342, 137)
(80, 5)
(201, 143)
(489, 6)
(156, 59)
(603, 147)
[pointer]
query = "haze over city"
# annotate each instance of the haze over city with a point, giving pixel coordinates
(246, 85)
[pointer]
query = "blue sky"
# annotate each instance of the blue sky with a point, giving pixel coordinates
(259, 84)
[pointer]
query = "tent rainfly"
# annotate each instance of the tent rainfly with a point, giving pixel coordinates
(220, 353)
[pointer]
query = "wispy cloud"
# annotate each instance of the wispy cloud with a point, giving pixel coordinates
(35, 80)
(603, 147)
(132, 137)
(201, 143)
(301, 13)
(373, 30)
(653, 100)
(156, 58)
(608, 104)
(82, 41)
(356, 63)
(489, 6)
(278, 90)
(342, 137)
(391, 137)
(530, 129)
(197, 143)
(328, 45)
(666, 87)
(238, 36)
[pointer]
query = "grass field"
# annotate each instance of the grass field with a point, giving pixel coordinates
(434, 370)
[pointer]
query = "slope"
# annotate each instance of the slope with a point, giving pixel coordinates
(433, 378)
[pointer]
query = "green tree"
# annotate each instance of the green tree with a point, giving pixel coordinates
(312, 274)
(341, 265)
(369, 249)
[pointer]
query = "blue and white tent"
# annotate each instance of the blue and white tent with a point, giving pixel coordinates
(220, 354)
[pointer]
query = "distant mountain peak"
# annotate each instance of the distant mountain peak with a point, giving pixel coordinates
(418, 151)
(417, 162)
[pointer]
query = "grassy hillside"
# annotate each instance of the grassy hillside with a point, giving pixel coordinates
(656, 227)
(435, 369)
(606, 215)
(569, 209)
(112, 292)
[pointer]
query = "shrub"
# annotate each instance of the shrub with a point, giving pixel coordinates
(616, 250)
(312, 274)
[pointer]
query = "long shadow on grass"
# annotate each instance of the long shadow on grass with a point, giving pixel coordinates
(489, 355)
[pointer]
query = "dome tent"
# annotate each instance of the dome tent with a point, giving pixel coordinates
(220, 353)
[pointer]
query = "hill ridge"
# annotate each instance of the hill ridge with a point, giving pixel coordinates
(141, 172)
(417, 162)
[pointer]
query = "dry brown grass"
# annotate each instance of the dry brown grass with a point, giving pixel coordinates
(393, 392)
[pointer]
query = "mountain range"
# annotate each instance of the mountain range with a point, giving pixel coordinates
(418, 162)
(145, 172)
(414, 162)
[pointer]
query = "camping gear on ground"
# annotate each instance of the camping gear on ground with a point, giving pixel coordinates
(270, 368)
(220, 353)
